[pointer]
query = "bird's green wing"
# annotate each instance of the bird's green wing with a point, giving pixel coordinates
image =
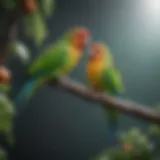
(111, 81)
(112, 84)
(50, 60)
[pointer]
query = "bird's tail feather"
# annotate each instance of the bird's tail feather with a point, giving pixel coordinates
(112, 125)
(112, 130)
(26, 92)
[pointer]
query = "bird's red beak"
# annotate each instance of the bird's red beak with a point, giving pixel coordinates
(85, 38)
(91, 53)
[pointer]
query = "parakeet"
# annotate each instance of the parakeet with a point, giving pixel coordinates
(56, 60)
(103, 76)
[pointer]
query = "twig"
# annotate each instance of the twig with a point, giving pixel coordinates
(9, 33)
(128, 107)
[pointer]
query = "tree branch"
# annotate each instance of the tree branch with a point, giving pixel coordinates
(128, 107)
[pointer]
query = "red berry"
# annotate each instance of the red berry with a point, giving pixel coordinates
(28, 6)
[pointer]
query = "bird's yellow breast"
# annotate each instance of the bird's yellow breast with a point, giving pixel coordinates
(73, 58)
(94, 69)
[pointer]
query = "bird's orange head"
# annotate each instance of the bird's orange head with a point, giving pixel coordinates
(97, 51)
(79, 38)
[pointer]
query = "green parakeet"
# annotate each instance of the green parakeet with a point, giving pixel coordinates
(56, 60)
(103, 76)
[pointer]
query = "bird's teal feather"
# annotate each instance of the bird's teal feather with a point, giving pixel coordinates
(46, 66)
(26, 91)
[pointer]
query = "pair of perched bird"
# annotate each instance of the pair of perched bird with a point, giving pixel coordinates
(62, 57)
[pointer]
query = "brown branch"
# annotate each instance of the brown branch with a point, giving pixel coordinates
(128, 107)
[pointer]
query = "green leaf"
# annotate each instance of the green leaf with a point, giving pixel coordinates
(3, 155)
(27, 22)
(7, 114)
(154, 129)
(47, 7)
(4, 88)
(35, 27)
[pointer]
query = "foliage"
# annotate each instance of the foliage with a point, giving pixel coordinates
(33, 14)
(132, 145)
(35, 27)
(47, 7)
(3, 155)
(34, 23)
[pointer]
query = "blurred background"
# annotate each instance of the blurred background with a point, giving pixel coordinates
(58, 125)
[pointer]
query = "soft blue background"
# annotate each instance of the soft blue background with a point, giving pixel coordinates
(61, 126)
